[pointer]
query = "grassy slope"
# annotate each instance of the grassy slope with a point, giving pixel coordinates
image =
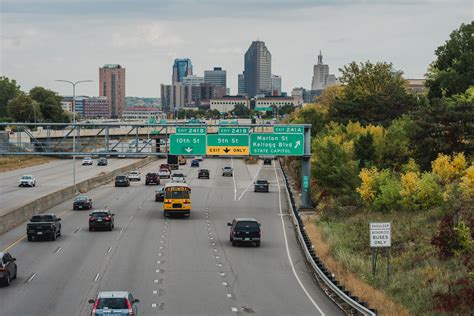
(8, 163)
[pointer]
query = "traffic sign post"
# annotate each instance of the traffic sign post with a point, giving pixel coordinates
(380, 237)
(187, 145)
(267, 144)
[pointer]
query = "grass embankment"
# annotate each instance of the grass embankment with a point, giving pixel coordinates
(416, 274)
(17, 162)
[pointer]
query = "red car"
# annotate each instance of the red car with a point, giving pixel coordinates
(152, 177)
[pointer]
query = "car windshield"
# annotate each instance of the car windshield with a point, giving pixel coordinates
(112, 303)
(26, 177)
(178, 175)
(99, 214)
(203, 170)
(164, 170)
(262, 181)
(151, 174)
(81, 198)
(248, 226)
(88, 158)
(227, 168)
(177, 195)
(120, 177)
(42, 218)
(134, 172)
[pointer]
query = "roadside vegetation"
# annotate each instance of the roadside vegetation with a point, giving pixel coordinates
(8, 163)
(382, 153)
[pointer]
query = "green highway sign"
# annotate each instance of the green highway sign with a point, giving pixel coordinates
(233, 131)
(188, 144)
(227, 140)
(288, 129)
(266, 109)
(191, 130)
(276, 144)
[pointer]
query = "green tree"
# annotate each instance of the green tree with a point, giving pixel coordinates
(49, 103)
(453, 70)
(446, 126)
(311, 114)
(241, 110)
(286, 109)
(333, 169)
(8, 91)
(23, 109)
(364, 150)
(396, 149)
(373, 94)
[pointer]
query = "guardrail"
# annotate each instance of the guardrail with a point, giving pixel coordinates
(318, 266)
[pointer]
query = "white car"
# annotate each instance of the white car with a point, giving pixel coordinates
(134, 176)
(164, 173)
(198, 158)
(178, 177)
(27, 181)
(87, 161)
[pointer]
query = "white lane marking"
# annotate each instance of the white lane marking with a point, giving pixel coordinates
(121, 231)
(158, 262)
(110, 249)
(160, 254)
(31, 278)
(155, 292)
(224, 283)
(222, 274)
(233, 178)
(229, 295)
(156, 281)
(153, 305)
(157, 271)
(97, 277)
(250, 183)
(288, 249)
(235, 309)
(58, 250)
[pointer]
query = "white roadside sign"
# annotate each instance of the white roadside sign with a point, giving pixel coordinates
(380, 235)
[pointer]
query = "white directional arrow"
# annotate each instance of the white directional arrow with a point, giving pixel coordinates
(297, 144)
(188, 149)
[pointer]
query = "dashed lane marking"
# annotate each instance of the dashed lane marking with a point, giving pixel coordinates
(32, 276)
(97, 277)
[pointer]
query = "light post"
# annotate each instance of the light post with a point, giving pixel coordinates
(74, 123)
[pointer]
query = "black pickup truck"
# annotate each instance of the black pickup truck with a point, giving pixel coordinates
(44, 225)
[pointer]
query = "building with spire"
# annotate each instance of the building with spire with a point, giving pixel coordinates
(320, 74)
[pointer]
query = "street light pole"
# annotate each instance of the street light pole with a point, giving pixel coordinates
(74, 123)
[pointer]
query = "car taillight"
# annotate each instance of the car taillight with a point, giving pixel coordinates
(186, 201)
(91, 219)
(168, 201)
(233, 233)
(94, 308)
(129, 306)
(108, 218)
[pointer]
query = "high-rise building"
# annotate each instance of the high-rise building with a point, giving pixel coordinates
(258, 69)
(96, 107)
(216, 77)
(276, 85)
(241, 84)
(181, 69)
(320, 74)
(112, 86)
(193, 80)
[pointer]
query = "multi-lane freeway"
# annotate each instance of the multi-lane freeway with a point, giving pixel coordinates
(175, 266)
(50, 177)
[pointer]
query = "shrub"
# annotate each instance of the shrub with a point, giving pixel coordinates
(428, 193)
(452, 240)
(388, 196)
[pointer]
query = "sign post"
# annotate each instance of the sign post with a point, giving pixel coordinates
(380, 237)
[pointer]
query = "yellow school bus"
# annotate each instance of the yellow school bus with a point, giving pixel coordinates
(177, 199)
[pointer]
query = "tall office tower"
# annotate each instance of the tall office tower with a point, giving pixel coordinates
(193, 80)
(258, 69)
(320, 74)
(112, 86)
(181, 69)
(216, 77)
(241, 84)
(276, 85)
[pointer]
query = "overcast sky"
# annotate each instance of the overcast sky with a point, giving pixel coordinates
(44, 40)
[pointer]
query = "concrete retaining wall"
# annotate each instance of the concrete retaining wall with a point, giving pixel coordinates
(23, 213)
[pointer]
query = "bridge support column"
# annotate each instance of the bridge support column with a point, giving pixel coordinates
(306, 202)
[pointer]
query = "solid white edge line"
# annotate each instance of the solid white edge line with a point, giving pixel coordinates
(251, 182)
(288, 249)
(233, 178)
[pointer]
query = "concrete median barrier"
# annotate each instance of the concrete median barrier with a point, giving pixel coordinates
(23, 213)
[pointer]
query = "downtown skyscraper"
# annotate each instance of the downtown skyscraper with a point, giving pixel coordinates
(112, 86)
(181, 69)
(258, 69)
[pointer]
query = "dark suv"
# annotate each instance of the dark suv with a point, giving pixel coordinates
(203, 173)
(101, 219)
(82, 202)
(152, 177)
(122, 181)
(245, 230)
(102, 162)
(8, 268)
(261, 186)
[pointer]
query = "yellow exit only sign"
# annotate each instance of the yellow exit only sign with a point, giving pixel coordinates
(228, 150)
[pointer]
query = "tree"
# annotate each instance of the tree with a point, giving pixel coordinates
(8, 91)
(49, 103)
(23, 109)
(364, 150)
(446, 126)
(286, 109)
(241, 110)
(396, 149)
(453, 70)
(373, 94)
(311, 114)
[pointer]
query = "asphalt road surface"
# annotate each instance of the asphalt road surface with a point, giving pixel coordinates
(174, 266)
(50, 177)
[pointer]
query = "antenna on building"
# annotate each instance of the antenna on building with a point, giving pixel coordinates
(320, 58)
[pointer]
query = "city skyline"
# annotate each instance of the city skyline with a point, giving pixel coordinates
(145, 38)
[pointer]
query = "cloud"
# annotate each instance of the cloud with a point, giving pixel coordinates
(151, 34)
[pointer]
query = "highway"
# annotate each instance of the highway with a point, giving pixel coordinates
(174, 266)
(50, 177)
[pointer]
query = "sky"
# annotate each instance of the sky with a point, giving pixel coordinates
(45, 40)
